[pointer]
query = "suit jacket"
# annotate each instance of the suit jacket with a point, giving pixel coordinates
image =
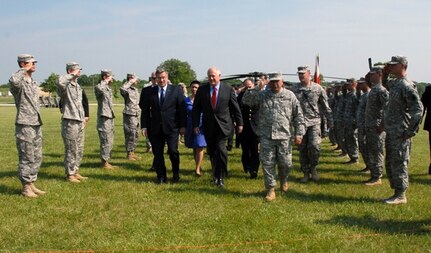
(170, 116)
(226, 106)
(426, 101)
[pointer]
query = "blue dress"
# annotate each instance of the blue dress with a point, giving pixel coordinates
(191, 139)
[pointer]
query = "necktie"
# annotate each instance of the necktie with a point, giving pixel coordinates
(214, 97)
(162, 96)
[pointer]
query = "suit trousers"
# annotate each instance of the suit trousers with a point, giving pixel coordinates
(216, 148)
(158, 142)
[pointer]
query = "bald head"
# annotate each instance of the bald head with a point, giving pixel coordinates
(214, 76)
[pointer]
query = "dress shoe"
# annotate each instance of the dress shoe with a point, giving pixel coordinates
(175, 179)
(162, 180)
(253, 174)
(229, 147)
(220, 183)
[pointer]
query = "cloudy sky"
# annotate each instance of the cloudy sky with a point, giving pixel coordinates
(236, 36)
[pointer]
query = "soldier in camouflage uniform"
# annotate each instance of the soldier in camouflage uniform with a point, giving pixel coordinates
(377, 101)
(349, 122)
(105, 117)
(338, 119)
(402, 119)
(363, 85)
(72, 121)
(131, 112)
(279, 112)
(331, 103)
(311, 97)
(28, 124)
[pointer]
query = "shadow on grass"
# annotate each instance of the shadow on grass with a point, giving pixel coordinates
(9, 190)
(391, 226)
(320, 197)
(424, 179)
(213, 190)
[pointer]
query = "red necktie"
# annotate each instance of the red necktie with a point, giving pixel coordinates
(214, 98)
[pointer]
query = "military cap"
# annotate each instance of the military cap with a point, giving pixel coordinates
(276, 76)
(398, 59)
(73, 65)
(351, 80)
(106, 72)
(303, 69)
(376, 68)
(26, 58)
(361, 80)
(131, 75)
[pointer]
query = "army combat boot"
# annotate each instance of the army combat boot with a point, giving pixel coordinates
(398, 198)
(107, 166)
(270, 194)
(80, 177)
(314, 175)
(35, 190)
(27, 191)
(284, 187)
(131, 156)
(73, 179)
(305, 178)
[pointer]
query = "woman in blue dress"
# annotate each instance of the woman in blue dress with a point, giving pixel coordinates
(197, 142)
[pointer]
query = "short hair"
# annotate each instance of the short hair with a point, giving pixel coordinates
(161, 70)
(195, 82)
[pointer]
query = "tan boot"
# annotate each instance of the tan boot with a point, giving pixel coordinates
(314, 175)
(149, 150)
(130, 156)
(73, 179)
(27, 191)
(284, 187)
(35, 190)
(107, 166)
(270, 194)
(80, 177)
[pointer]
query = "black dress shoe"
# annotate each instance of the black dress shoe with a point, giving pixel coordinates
(229, 147)
(176, 179)
(162, 180)
(253, 174)
(429, 169)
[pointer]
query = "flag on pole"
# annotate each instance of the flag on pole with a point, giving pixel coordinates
(316, 77)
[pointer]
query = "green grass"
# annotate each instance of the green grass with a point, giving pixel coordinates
(124, 211)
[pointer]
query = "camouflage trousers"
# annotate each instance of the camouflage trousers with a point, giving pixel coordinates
(105, 128)
(29, 146)
(339, 131)
(375, 147)
(272, 153)
(309, 149)
(332, 135)
(72, 132)
(351, 141)
(397, 159)
(131, 131)
(362, 144)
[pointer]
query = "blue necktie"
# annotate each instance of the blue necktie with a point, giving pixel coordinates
(162, 96)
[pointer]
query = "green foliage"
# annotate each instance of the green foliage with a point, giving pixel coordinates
(179, 71)
(125, 211)
(50, 84)
(90, 80)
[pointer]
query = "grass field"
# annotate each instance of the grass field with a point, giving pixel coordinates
(125, 211)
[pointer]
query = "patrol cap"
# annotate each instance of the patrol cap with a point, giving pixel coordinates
(73, 65)
(130, 75)
(276, 76)
(398, 59)
(26, 58)
(303, 69)
(351, 80)
(375, 69)
(106, 72)
(361, 80)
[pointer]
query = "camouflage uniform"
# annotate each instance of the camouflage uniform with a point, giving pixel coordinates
(72, 125)
(338, 121)
(278, 113)
(402, 119)
(28, 131)
(350, 125)
(360, 120)
(130, 115)
(377, 101)
(331, 134)
(105, 119)
(311, 99)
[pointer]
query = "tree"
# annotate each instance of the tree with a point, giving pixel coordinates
(49, 85)
(90, 80)
(179, 71)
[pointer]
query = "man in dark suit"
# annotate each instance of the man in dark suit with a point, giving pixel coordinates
(216, 102)
(163, 119)
(426, 101)
(249, 137)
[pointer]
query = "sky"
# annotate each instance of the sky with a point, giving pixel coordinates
(236, 36)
